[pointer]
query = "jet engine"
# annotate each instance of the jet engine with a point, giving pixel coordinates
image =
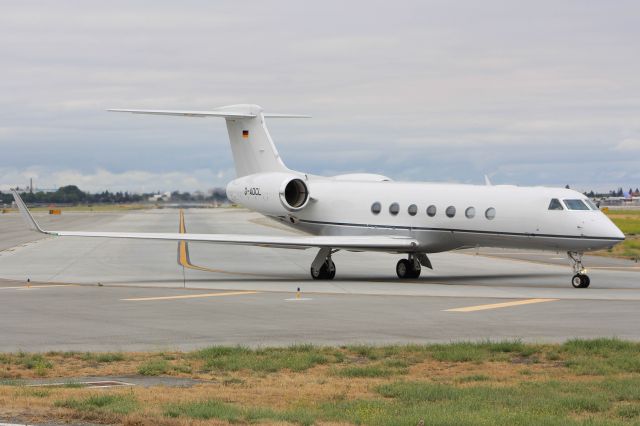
(270, 193)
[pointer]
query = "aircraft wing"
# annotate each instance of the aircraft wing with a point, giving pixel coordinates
(365, 243)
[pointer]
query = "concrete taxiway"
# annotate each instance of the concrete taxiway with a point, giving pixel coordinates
(99, 294)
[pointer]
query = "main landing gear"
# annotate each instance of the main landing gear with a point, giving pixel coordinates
(323, 267)
(580, 279)
(408, 268)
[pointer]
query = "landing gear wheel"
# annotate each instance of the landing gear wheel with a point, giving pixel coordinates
(406, 268)
(580, 281)
(403, 269)
(415, 269)
(326, 272)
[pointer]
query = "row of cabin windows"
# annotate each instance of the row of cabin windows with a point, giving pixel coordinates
(470, 212)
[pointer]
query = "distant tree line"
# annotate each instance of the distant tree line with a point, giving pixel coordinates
(71, 194)
(613, 193)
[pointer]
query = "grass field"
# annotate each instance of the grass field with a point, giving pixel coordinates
(589, 382)
(629, 222)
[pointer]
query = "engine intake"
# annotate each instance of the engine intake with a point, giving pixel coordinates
(275, 194)
(295, 194)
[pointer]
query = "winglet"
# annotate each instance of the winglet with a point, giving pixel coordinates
(487, 181)
(26, 214)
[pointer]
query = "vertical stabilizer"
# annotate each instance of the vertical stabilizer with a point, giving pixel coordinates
(252, 147)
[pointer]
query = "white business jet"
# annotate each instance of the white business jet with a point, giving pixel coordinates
(370, 212)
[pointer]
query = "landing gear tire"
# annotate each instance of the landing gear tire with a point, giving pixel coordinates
(406, 269)
(580, 281)
(326, 272)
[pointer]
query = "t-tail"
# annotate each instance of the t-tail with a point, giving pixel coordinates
(252, 147)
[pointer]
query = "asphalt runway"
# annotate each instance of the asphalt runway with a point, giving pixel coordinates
(100, 294)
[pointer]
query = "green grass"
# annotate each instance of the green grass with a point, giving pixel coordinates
(110, 403)
(474, 378)
(157, 367)
(37, 362)
(629, 223)
(207, 410)
(630, 212)
(270, 360)
(579, 382)
(154, 367)
(631, 248)
(526, 403)
(601, 356)
(630, 226)
(483, 351)
(103, 356)
(368, 371)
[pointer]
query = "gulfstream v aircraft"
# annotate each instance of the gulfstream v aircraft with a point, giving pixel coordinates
(370, 212)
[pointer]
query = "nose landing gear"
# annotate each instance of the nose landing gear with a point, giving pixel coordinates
(580, 279)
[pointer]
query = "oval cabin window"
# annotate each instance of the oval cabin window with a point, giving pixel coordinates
(470, 212)
(490, 213)
(451, 211)
(376, 208)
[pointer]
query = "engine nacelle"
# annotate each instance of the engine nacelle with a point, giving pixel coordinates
(270, 193)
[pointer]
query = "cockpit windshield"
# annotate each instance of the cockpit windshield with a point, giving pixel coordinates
(555, 205)
(575, 205)
(591, 204)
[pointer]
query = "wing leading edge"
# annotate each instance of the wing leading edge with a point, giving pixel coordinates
(363, 243)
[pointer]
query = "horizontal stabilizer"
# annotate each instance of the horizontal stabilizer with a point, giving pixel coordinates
(214, 113)
(224, 114)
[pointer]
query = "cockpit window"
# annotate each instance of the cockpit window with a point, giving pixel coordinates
(575, 205)
(555, 205)
(591, 204)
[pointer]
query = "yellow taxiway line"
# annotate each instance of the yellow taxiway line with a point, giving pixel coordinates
(499, 305)
(190, 296)
(185, 261)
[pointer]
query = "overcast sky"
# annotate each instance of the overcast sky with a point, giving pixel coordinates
(542, 93)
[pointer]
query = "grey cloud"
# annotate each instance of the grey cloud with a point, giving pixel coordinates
(417, 90)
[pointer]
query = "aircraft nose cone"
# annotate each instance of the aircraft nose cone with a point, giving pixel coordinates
(611, 230)
(617, 233)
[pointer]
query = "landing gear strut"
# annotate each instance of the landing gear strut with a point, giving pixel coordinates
(580, 279)
(408, 268)
(323, 267)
